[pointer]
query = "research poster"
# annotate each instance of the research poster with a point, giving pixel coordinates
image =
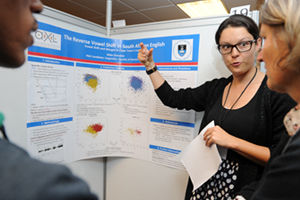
(90, 97)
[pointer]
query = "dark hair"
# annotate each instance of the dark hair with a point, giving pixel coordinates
(238, 21)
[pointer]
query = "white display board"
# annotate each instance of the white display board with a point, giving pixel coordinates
(135, 179)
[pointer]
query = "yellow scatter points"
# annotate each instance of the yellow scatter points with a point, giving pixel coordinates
(91, 131)
(93, 84)
(131, 131)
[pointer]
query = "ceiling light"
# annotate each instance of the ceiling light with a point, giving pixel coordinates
(203, 8)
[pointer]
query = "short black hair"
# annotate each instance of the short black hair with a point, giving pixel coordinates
(238, 20)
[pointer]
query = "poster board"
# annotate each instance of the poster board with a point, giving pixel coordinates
(89, 97)
(136, 179)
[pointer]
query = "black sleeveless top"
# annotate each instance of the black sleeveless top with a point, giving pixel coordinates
(239, 123)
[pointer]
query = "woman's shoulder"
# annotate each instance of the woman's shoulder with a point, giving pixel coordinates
(272, 97)
(273, 93)
(219, 81)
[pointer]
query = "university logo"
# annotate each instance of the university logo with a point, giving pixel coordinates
(182, 49)
(46, 39)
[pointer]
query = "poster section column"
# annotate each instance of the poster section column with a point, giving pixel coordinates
(90, 97)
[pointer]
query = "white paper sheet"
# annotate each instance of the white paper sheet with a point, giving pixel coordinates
(200, 161)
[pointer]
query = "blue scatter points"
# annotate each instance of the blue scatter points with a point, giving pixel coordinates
(87, 77)
(136, 83)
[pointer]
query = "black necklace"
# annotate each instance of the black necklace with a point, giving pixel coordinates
(220, 116)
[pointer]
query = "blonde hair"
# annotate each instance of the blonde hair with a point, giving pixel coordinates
(284, 17)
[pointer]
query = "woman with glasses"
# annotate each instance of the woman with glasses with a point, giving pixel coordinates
(248, 116)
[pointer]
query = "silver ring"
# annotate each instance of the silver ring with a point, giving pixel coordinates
(208, 137)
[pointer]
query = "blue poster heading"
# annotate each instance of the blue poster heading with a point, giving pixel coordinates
(58, 43)
(165, 149)
(49, 122)
(170, 122)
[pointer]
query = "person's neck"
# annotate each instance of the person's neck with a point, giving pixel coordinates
(244, 78)
(294, 92)
(292, 83)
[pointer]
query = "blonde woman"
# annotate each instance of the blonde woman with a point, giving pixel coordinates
(280, 27)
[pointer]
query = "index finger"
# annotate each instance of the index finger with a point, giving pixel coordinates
(143, 47)
(141, 44)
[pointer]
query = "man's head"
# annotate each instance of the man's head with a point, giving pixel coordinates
(16, 24)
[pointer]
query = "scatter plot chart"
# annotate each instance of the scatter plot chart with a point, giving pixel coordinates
(91, 131)
(94, 129)
(91, 81)
(54, 90)
(136, 84)
(92, 84)
(135, 132)
(136, 88)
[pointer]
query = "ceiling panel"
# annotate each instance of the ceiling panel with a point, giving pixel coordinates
(165, 13)
(100, 6)
(120, 7)
(180, 1)
(96, 5)
(99, 20)
(71, 8)
(132, 18)
(134, 11)
(146, 4)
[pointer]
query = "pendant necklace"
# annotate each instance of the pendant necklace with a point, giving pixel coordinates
(220, 116)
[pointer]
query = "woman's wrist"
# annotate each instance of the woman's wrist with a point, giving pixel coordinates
(150, 71)
(150, 66)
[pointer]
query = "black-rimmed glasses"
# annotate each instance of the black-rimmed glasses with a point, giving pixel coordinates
(241, 47)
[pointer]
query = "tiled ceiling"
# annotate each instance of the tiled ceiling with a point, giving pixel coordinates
(134, 11)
